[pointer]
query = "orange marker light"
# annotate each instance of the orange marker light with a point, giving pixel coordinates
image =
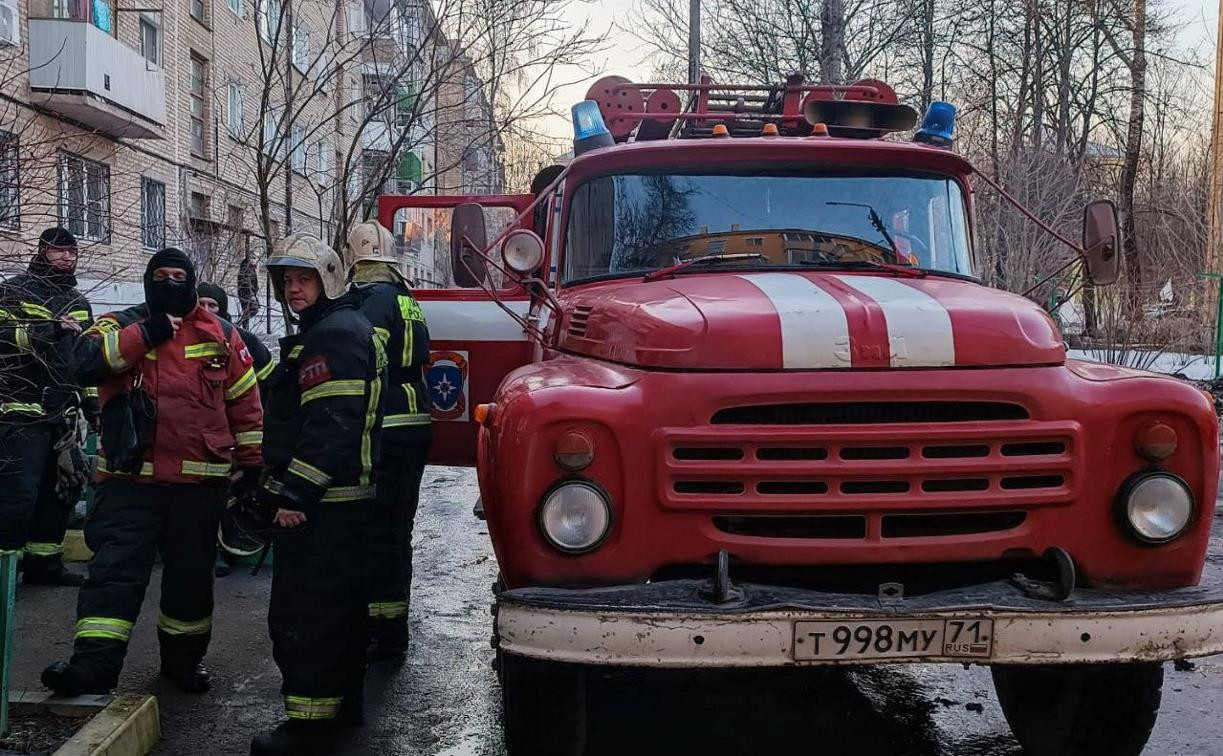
(819, 130)
(482, 413)
(720, 131)
(574, 451)
(770, 129)
(1155, 441)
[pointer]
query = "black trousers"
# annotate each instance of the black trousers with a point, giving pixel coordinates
(33, 517)
(130, 523)
(390, 545)
(317, 616)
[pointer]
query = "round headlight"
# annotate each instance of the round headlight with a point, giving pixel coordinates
(522, 251)
(1157, 507)
(575, 516)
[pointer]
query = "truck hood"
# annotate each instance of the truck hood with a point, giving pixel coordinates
(806, 321)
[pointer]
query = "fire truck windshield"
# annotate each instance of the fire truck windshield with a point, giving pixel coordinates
(631, 224)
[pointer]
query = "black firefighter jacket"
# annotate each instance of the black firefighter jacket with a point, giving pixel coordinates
(399, 323)
(324, 409)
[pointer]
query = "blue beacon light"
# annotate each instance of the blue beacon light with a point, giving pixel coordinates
(938, 126)
(589, 131)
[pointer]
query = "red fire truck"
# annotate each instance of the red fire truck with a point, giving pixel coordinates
(737, 398)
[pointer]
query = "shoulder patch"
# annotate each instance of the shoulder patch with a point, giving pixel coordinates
(313, 371)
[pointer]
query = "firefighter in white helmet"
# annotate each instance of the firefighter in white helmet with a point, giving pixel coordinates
(406, 431)
(321, 441)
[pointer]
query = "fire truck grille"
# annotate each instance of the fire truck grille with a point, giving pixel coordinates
(869, 413)
(578, 320)
(895, 481)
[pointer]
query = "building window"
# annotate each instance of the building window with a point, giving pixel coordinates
(324, 162)
(199, 77)
(237, 219)
(10, 183)
(234, 111)
(199, 208)
(197, 10)
(84, 197)
(152, 213)
(235, 7)
(270, 133)
(149, 41)
(298, 154)
(269, 20)
(301, 47)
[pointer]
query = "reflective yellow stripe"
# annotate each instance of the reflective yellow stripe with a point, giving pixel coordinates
(37, 311)
(388, 609)
(30, 408)
(205, 349)
(81, 315)
(295, 352)
(410, 311)
(103, 325)
(206, 469)
(91, 391)
(371, 417)
(171, 626)
(348, 493)
(110, 351)
(302, 707)
(44, 549)
(399, 421)
(265, 371)
(334, 388)
(309, 472)
(145, 469)
(242, 385)
(383, 334)
(249, 438)
(22, 337)
(104, 627)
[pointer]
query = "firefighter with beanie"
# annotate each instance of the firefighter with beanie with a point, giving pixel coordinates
(180, 419)
(406, 431)
(42, 408)
(324, 415)
(232, 540)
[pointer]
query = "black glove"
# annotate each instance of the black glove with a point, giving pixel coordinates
(247, 483)
(157, 329)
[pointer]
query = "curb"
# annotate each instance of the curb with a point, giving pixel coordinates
(75, 549)
(128, 726)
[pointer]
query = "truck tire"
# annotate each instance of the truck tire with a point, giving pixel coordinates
(543, 707)
(1080, 709)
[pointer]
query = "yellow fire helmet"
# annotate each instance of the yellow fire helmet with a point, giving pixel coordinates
(370, 241)
(306, 251)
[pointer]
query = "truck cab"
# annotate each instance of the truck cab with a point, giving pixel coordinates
(742, 400)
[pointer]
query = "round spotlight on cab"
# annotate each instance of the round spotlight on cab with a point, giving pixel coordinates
(575, 516)
(523, 251)
(1155, 507)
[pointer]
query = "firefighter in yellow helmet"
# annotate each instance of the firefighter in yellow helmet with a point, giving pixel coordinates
(321, 441)
(406, 430)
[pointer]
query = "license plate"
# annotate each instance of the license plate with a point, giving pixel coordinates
(893, 639)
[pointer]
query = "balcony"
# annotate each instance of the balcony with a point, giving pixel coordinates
(82, 72)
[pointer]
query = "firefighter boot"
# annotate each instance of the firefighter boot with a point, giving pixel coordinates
(296, 737)
(190, 678)
(64, 679)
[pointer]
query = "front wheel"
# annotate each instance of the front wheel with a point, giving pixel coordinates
(1080, 709)
(543, 707)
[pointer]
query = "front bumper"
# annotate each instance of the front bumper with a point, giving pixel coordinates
(673, 624)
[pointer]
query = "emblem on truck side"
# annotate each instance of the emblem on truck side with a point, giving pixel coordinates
(446, 379)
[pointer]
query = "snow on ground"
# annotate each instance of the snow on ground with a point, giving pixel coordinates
(1193, 366)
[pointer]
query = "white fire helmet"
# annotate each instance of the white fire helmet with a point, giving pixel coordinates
(370, 241)
(306, 251)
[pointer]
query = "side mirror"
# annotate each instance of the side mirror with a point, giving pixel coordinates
(523, 251)
(468, 237)
(1102, 242)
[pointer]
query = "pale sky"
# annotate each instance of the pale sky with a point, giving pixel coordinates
(1197, 19)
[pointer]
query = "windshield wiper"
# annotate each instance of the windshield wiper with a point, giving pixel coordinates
(899, 270)
(876, 221)
(717, 257)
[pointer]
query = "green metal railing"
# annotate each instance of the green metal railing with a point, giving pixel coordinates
(8, 591)
(1218, 320)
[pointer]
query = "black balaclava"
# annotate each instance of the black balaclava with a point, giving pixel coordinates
(40, 266)
(171, 297)
(213, 291)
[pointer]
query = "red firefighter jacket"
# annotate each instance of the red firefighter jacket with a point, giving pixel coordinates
(202, 381)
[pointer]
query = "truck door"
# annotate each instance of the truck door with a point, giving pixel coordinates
(473, 342)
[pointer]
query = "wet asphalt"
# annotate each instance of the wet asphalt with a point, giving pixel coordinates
(444, 700)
